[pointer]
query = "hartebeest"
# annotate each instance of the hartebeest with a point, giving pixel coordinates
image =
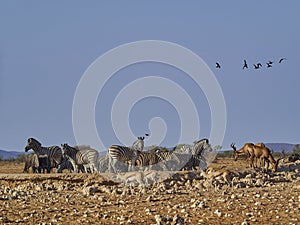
(264, 154)
(256, 152)
(245, 150)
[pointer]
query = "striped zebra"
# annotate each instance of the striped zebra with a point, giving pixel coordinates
(146, 159)
(138, 145)
(103, 162)
(194, 162)
(66, 163)
(201, 154)
(82, 157)
(54, 153)
(199, 146)
(44, 164)
(125, 155)
(32, 161)
(168, 160)
(122, 154)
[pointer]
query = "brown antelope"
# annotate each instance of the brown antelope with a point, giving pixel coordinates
(260, 144)
(224, 174)
(264, 154)
(245, 150)
(256, 152)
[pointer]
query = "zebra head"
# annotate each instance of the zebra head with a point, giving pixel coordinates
(138, 145)
(200, 145)
(67, 149)
(31, 144)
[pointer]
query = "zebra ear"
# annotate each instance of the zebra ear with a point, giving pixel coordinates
(29, 140)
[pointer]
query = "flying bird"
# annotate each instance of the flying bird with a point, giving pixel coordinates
(257, 66)
(245, 64)
(269, 64)
(218, 66)
(280, 61)
(147, 135)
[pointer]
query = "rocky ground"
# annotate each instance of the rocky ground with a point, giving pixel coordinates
(251, 197)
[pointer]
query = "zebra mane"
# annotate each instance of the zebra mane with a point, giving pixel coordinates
(185, 149)
(200, 145)
(34, 140)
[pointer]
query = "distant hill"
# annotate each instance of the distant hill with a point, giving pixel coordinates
(9, 154)
(278, 147)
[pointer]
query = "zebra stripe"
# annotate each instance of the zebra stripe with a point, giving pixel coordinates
(54, 153)
(138, 145)
(32, 161)
(66, 163)
(82, 157)
(199, 146)
(122, 153)
(44, 164)
(146, 159)
(164, 155)
(202, 153)
(194, 162)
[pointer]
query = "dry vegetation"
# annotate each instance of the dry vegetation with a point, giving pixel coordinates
(251, 197)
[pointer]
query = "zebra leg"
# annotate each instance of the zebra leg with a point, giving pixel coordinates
(80, 168)
(111, 168)
(92, 167)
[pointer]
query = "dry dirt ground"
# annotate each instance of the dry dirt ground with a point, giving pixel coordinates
(251, 197)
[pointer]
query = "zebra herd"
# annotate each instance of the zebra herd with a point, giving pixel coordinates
(81, 159)
(187, 157)
(118, 158)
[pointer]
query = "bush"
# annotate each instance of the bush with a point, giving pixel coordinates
(225, 154)
(21, 158)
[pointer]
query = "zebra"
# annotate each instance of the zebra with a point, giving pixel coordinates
(32, 161)
(82, 157)
(122, 154)
(66, 163)
(146, 159)
(103, 162)
(39, 164)
(170, 160)
(194, 162)
(125, 155)
(202, 154)
(197, 155)
(138, 145)
(199, 146)
(53, 152)
(44, 164)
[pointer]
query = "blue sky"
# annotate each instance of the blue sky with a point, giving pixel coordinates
(45, 48)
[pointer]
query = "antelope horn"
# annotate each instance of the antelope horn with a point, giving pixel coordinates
(233, 146)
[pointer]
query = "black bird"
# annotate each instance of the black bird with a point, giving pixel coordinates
(269, 64)
(218, 66)
(282, 60)
(147, 135)
(257, 66)
(245, 64)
